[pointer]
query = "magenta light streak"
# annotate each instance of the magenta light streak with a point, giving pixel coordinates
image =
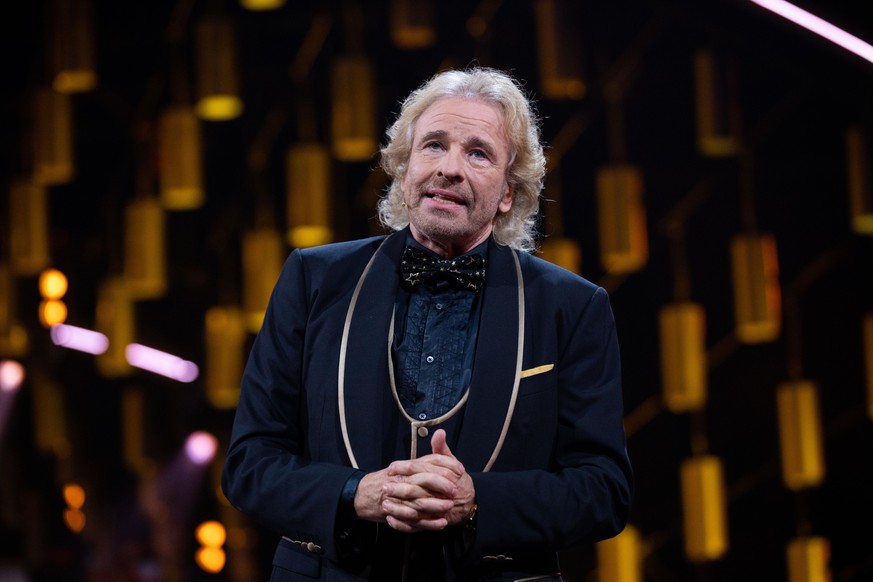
(78, 338)
(819, 26)
(200, 447)
(161, 363)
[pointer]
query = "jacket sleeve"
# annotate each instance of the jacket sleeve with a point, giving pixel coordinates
(268, 474)
(582, 492)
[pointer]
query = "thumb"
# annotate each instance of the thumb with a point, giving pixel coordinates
(438, 443)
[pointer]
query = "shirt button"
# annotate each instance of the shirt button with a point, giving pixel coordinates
(439, 306)
(422, 431)
(422, 416)
(429, 359)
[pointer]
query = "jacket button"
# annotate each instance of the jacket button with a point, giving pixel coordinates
(422, 431)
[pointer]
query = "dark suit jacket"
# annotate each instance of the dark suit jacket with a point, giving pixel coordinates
(540, 433)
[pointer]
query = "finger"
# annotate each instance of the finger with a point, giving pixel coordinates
(444, 465)
(409, 509)
(420, 485)
(438, 443)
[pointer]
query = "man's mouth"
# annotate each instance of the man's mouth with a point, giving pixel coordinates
(446, 198)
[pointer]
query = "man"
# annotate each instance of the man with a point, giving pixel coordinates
(395, 424)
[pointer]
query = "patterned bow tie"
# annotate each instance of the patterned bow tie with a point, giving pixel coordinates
(467, 272)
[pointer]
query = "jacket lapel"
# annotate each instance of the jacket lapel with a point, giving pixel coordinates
(494, 381)
(364, 394)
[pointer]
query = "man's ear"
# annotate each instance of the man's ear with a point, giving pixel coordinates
(506, 201)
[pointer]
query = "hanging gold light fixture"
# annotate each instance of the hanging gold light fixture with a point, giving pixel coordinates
(717, 109)
(217, 69)
(263, 254)
(560, 65)
(52, 138)
(353, 108)
(800, 434)
(860, 180)
(413, 24)
(621, 214)
(134, 433)
(757, 292)
(563, 252)
(13, 335)
(261, 5)
(867, 336)
(704, 508)
(49, 419)
(308, 199)
(683, 356)
(809, 559)
(620, 559)
(72, 46)
(145, 262)
(115, 319)
(29, 228)
(180, 159)
(225, 331)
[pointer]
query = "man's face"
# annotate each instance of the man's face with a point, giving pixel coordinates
(455, 182)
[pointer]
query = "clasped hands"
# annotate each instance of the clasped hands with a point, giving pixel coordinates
(428, 493)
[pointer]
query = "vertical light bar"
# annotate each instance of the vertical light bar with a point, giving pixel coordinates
(757, 292)
(262, 254)
(622, 230)
(413, 24)
(116, 320)
(52, 138)
(860, 180)
(819, 26)
(72, 46)
(619, 559)
(683, 356)
(353, 109)
(217, 69)
(50, 421)
(716, 105)
(867, 338)
(7, 299)
(181, 160)
(704, 509)
(14, 340)
(145, 262)
(560, 64)
(308, 203)
(134, 432)
(562, 251)
(225, 331)
(800, 434)
(28, 228)
(808, 559)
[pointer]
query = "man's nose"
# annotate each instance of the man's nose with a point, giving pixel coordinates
(451, 165)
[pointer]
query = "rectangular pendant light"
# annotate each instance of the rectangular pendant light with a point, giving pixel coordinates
(683, 356)
(704, 509)
(309, 195)
(800, 435)
(622, 230)
(756, 287)
(225, 329)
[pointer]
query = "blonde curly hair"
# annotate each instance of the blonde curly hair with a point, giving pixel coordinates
(527, 162)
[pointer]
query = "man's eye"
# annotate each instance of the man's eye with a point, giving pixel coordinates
(433, 145)
(479, 154)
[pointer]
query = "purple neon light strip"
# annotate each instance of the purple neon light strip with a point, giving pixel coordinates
(78, 338)
(162, 363)
(819, 26)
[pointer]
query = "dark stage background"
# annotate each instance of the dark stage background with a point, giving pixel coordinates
(796, 96)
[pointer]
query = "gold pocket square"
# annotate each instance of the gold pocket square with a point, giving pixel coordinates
(537, 370)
